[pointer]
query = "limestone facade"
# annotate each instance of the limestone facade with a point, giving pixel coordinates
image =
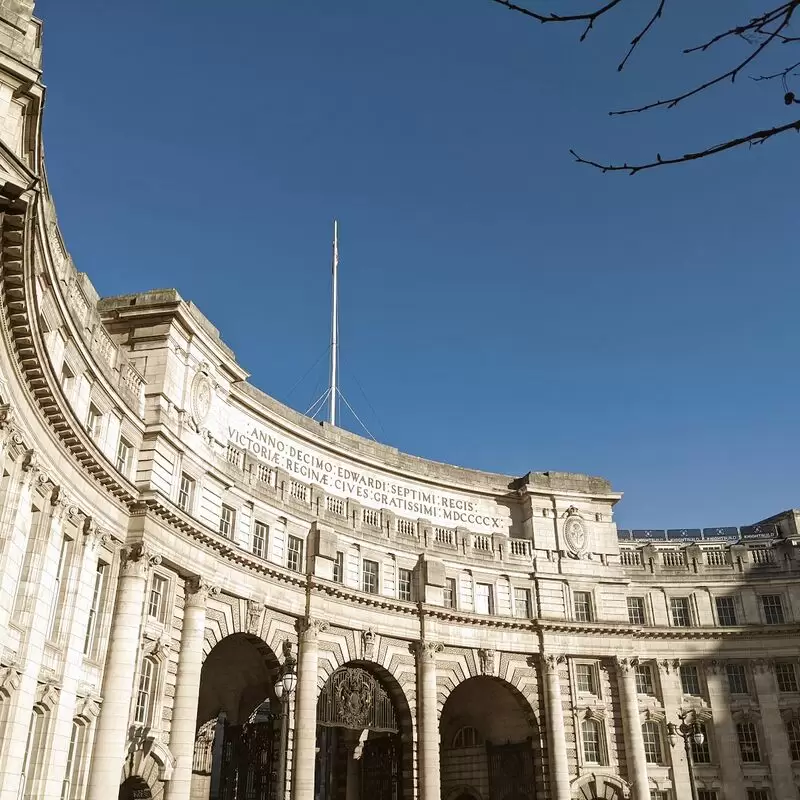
(172, 539)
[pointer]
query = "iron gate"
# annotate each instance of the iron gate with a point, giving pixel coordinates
(247, 771)
(511, 774)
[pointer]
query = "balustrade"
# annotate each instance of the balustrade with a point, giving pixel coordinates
(371, 517)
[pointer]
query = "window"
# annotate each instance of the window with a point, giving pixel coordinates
(737, 679)
(71, 789)
(158, 592)
(758, 794)
(707, 794)
(636, 610)
(701, 753)
(726, 611)
(592, 742)
(786, 677)
(679, 609)
(582, 602)
(466, 737)
(773, 609)
(483, 599)
(644, 679)
(584, 678)
(793, 733)
(404, 584)
(94, 610)
(338, 567)
(748, 742)
(690, 680)
(227, 521)
(94, 421)
(58, 597)
(655, 794)
(260, 531)
(185, 493)
(651, 733)
(450, 593)
(34, 748)
(67, 381)
(522, 603)
(294, 558)
(124, 457)
(144, 695)
(369, 576)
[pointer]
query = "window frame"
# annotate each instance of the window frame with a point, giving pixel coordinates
(94, 422)
(143, 711)
(753, 742)
(686, 605)
(294, 554)
(124, 468)
(586, 668)
(260, 538)
(163, 593)
(646, 669)
(704, 749)
(95, 609)
(781, 607)
(338, 567)
(743, 675)
(405, 584)
(793, 684)
(451, 587)
(690, 673)
(371, 588)
(227, 521)
(643, 610)
(583, 616)
(600, 743)
(489, 597)
(793, 736)
(525, 594)
(657, 741)
(734, 611)
(188, 507)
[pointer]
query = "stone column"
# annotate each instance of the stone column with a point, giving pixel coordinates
(123, 651)
(187, 687)
(775, 744)
(672, 697)
(632, 726)
(556, 743)
(724, 740)
(305, 728)
(428, 720)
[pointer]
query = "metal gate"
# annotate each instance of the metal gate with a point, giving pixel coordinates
(511, 775)
(247, 771)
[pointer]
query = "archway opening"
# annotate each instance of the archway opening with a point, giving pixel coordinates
(135, 788)
(239, 722)
(489, 742)
(363, 736)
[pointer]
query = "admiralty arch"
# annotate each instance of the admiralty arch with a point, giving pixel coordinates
(204, 594)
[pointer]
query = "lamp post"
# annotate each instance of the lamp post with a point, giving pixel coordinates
(689, 732)
(285, 685)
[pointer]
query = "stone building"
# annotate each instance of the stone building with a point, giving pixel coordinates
(204, 594)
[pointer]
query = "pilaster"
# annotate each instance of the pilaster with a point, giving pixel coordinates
(428, 720)
(557, 745)
(632, 726)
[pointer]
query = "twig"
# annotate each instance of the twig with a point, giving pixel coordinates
(642, 33)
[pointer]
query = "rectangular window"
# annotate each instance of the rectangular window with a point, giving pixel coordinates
(748, 743)
(679, 609)
(94, 610)
(227, 521)
(71, 789)
(67, 381)
(644, 679)
(450, 593)
(737, 679)
(651, 734)
(707, 794)
(404, 584)
(483, 599)
(294, 556)
(185, 493)
(773, 609)
(690, 680)
(94, 421)
(260, 531)
(655, 794)
(701, 753)
(592, 745)
(584, 678)
(786, 677)
(158, 595)
(144, 694)
(726, 611)
(793, 733)
(582, 601)
(758, 794)
(369, 576)
(522, 603)
(338, 567)
(636, 610)
(60, 589)
(124, 457)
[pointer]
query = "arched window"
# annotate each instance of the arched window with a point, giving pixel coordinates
(592, 741)
(466, 737)
(651, 733)
(34, 750)
(144, 696)
(71, 789)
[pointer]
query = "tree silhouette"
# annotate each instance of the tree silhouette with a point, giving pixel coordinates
(769, 30)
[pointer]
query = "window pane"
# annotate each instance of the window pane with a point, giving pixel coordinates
(260, 531)
(644, 679)
(404, 584)
(737, 679)
(636, 610)
(690, 680)
(157, 592)
(144, 693)
(584, 678)
(701, 753)
(483, 598)
(294, 557)
(726, 611)
(652, 742)
(450, 593)
(370, 576)
(679, 606)
(583, 606)
(338, 567)
(185, 492)
(773, 609)
(748, 742)
(522, 603)
(590, 732)
(786, 677)
(793, 732)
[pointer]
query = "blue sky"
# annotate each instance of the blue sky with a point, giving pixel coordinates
(502, 307)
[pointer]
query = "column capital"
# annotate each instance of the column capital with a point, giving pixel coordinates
(309, 629)
(93, 537)
(552, 661)
(761, 666)
(198, 591)
(137, 560)
(715, 666)
(626, 665)
(426, 649)
(667, 665)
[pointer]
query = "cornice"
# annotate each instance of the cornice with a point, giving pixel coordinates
(667, 634)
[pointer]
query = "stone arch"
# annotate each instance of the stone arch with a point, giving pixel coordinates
(146, 770)
(504, 759)
(601, 787)
(462, 792)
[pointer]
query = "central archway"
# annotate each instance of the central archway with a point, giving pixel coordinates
(363, 735)
(135, 788)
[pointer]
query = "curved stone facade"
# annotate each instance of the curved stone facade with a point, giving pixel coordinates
(174, 544)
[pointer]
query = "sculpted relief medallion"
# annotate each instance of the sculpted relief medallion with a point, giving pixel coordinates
(201, 397)
(575, 534)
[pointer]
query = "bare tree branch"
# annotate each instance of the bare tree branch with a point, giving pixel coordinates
(757, 22)
(642, 33)
(588, 17)
(758, 137)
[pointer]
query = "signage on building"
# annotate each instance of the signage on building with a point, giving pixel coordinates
(370, 487)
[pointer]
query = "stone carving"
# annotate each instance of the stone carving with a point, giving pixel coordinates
(427, 650)
(714, 666)
(368, 644)
(486, 659)
(309, 629)
(667, 665)
(198, 591)
(255, 613)
(30, 461)
(88, 708)
(626, 665)
(201, 397)
(137, 561)
(552, 662)
(93, 537)
(9, 680)
(575, 536)
(47, 695)
(354, 698)
(760, 665)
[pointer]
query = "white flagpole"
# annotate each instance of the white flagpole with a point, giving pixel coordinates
(334, 325)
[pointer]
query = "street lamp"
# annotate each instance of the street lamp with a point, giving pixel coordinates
(689, 732)
(285, 684)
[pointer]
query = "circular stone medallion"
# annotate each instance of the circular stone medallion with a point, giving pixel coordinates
(201, 397)
(575, 535)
